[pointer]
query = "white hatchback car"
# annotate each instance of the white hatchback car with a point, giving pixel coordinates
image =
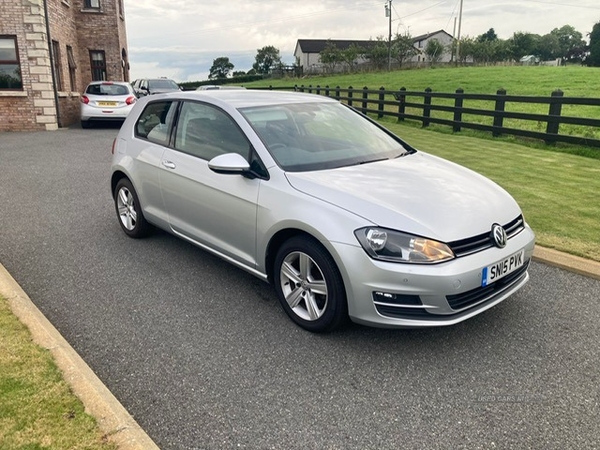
(106, 101)
(343, 217)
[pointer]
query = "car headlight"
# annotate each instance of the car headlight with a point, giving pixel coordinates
(394, 246)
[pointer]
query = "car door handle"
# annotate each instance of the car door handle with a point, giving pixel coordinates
(169, 164)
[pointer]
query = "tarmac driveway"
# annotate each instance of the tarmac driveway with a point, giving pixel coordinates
(203, 357)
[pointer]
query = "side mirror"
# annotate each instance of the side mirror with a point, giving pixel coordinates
(229, 164)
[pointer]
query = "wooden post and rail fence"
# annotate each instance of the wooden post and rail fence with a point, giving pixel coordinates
(500, 109)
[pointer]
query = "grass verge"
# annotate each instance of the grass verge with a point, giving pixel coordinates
(37, 408)
(557, 192)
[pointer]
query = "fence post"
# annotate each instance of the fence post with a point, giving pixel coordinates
(427, 107)
(295, 88)
(401, 97)
(499, 112)
(302, 88)
(554, 116)
(365, 96)
(458, 104)
(310, 88)
(327, 91)
(380, 106)
(318, 89)
(350, 89)
(337, 92)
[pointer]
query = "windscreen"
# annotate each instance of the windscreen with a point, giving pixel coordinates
(318, 136)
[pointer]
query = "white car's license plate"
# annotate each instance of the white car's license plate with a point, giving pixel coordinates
(107, 103)
(502, 268)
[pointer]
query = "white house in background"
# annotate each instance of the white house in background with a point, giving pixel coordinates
(307, 51)
(420, 43)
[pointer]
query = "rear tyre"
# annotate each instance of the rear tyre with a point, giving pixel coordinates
(309, 285)
(129, 211)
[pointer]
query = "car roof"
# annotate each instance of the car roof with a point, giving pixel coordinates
(243, 98)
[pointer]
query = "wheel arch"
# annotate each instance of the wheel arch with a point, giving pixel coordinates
(283, 235)
(115, 178)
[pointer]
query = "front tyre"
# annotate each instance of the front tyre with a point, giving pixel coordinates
(309, 285)
(128, 209)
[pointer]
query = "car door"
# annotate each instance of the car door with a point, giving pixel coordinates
(210, 209)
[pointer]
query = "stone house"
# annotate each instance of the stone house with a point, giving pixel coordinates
(49, 51)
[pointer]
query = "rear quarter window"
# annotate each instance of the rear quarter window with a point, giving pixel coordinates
(155, 122)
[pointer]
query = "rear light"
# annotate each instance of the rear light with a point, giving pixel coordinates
(130, 100)
(113, 146)
(109, 83)
(84, 99)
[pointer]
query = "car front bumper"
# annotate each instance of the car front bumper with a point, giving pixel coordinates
(395, 295)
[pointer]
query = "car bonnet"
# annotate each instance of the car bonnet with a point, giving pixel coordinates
(418, 193)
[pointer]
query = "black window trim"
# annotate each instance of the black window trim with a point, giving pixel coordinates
(16, 62)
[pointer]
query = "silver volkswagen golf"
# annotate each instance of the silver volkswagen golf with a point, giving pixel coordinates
(344, 218)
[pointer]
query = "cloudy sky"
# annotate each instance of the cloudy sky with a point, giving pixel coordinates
(180, 39)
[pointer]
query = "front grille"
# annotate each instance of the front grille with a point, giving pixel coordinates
(482, 241)
(474, 296)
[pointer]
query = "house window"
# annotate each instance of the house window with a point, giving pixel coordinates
(98, 63)
(72, 68)
(10, 68)
(56, 65)
(91, 4)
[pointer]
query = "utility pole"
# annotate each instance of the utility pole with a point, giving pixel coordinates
(388, 14)
(458, 37)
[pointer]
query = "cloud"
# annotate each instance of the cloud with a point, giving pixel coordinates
(181, 38)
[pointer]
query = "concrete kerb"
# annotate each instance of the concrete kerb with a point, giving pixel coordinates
(113, 419)
(568, 262)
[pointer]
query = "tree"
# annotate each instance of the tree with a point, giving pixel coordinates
(266, 59)
(593, 59)
(350, 55)
(434, 50)
(569, 39)
(220, 68)
(377, 53)
(330, 56)
(548, 47)
(403, 48)
(238, 73)
(489, 36)
(523, 44)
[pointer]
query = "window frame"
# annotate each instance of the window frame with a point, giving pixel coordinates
(95, 67)
(56, 65)
(72, 68)
(170, 120)
(88, 4)
(11, 62)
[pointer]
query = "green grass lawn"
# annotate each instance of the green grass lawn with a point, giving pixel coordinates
(574, 81)
(37, 409)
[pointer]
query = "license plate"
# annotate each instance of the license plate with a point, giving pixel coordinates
(107, 103)
(502, 268)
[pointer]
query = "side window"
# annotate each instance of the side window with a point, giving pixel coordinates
(154, 122)
(206, 132)
(10, 67)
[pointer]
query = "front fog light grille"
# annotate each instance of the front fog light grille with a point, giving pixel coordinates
(399, 306)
